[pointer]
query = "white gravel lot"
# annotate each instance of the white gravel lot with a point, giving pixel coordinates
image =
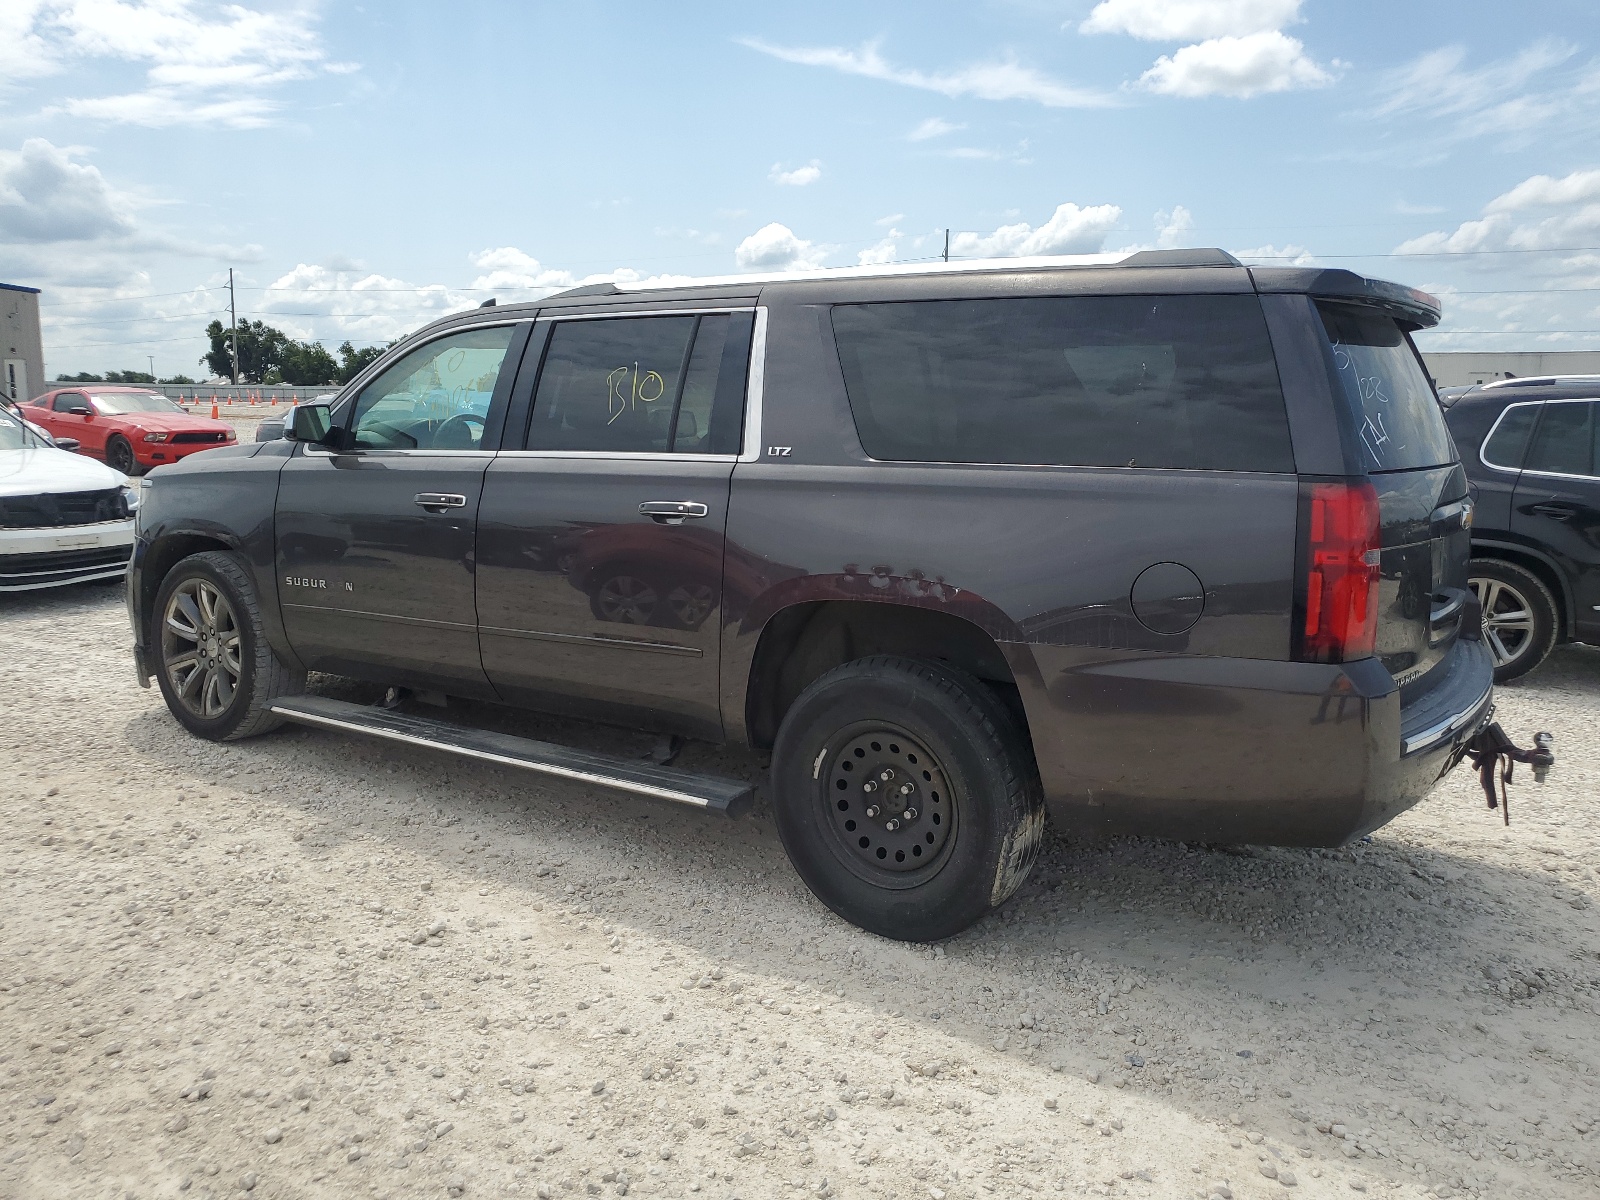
(312, 965)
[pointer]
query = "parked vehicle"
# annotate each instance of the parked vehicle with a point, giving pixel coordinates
(131, 429)
(1532, 453)
(1172, 546)
(63, 518)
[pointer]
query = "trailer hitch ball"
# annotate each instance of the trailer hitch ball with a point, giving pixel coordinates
(1543, 757)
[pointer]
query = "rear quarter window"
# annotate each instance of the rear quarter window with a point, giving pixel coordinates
(1184, 382)
(1381, 379)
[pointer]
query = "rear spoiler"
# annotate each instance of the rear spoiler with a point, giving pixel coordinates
(1416, 308)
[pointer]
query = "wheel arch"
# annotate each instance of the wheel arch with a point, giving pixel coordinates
(1543, 567)
(803, 641)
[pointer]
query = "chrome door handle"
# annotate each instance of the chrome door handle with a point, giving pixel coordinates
(441, 500)
(672, 512)
(1556, 510)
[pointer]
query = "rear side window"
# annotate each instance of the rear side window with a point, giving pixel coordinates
(1382, 380)
(661, 385)
(1509, 438)
(1185, 382)
(1565, 442)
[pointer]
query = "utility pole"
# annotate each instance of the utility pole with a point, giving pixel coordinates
(233, 317)
(947, 245)
(152, 359)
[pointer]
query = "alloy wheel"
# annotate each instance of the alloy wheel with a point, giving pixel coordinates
(626, 599)
(201, 648)
(119, 455)
(1507, 619)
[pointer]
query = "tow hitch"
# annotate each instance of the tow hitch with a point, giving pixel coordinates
(1492, 752)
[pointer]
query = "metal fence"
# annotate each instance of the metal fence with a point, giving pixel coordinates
(244, 393)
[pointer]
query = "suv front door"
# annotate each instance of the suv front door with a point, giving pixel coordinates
(601, 538)
(376, 541)
(1557, 501)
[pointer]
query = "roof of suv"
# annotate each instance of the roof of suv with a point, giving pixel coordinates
(1191, 270)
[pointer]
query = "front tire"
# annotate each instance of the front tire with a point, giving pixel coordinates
(119, 455)
(906, 797)
(1520, 618)
(216, 670)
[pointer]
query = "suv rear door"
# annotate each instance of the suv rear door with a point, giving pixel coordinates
(603, 523)
(376, 543)
(1424, 512)
(1557, 501)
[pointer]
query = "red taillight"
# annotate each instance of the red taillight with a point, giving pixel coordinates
(1341, 562)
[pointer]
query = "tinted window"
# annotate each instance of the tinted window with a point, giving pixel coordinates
(1116, 381)
(1565, 440)
(436, 397)
(1381, 377)
(1509, 438)
(67, 401)
(639, 385)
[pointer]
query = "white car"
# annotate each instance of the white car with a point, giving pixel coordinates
(64, 518)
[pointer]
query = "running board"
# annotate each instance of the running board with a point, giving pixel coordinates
(730, 797)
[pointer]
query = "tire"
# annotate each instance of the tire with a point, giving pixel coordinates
(1520, 617)
(220, 703)
(119, 455)
(968, 845)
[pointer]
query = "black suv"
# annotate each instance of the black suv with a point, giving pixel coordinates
(1532, 452)
(1172, 546)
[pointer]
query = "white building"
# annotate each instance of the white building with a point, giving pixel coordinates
(21, 347)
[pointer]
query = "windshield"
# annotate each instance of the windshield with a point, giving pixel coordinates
(12, 435)
(115, 404)
(1381, 376)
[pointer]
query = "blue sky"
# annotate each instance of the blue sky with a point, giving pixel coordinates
(365, 168)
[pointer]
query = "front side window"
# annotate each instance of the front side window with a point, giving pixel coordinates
(436, 397)
(1396, 412)
(116, 404)
(649, 385)
(1185, 382)
(1565, 441)
(67, 401)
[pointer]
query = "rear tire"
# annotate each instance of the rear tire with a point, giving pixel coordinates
(1520, 617)
(119, 455)
(880, 738)
(216, 670)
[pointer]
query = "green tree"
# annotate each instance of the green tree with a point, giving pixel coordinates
(129, 377)
(352, 361)
(81, 377)
(260, 350)
(178, 379)
(305, 364)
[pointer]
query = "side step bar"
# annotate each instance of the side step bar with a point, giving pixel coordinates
(730, 797)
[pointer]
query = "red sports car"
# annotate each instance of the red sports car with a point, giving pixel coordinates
(131, 428)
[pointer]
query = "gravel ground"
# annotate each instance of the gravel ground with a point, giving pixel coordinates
(314, 965)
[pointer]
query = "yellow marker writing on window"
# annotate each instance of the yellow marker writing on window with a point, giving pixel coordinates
(626, 389)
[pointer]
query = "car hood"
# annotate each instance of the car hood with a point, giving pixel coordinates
(34, 471)
(169, 422)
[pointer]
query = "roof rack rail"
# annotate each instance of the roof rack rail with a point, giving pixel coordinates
(1197, 257)
(589, 289)
(1542, 381)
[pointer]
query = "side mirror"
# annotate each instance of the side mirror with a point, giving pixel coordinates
(81, 410)
(67, 443)
(310, 423)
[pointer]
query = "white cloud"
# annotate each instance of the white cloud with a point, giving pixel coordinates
(1005, 80)
(884, 251)
(46, 197)
(1173, 228)
(931, 128)
(1186, 20)
(1512, 221)
(205, 64)
(1497, 96)
(1239, 67)
(1070, 230)
(798, 177)
(775, 247)
(1276, 256)
(891, 219)
(23, 53)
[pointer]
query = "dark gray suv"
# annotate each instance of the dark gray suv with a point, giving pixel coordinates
(1172, 546)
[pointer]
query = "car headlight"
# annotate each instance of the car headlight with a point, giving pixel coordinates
(155, 437)
(130, 499)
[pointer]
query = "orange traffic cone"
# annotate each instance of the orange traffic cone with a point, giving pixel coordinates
(214, 412)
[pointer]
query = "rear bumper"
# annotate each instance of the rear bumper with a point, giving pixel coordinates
(1242, 751)
(63, 554)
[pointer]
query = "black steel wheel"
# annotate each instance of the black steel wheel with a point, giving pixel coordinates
(119, 455)
(1520, 620)
(906, 796)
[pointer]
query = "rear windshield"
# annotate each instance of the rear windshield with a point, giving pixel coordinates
(1186, 382)
(1401, 424)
